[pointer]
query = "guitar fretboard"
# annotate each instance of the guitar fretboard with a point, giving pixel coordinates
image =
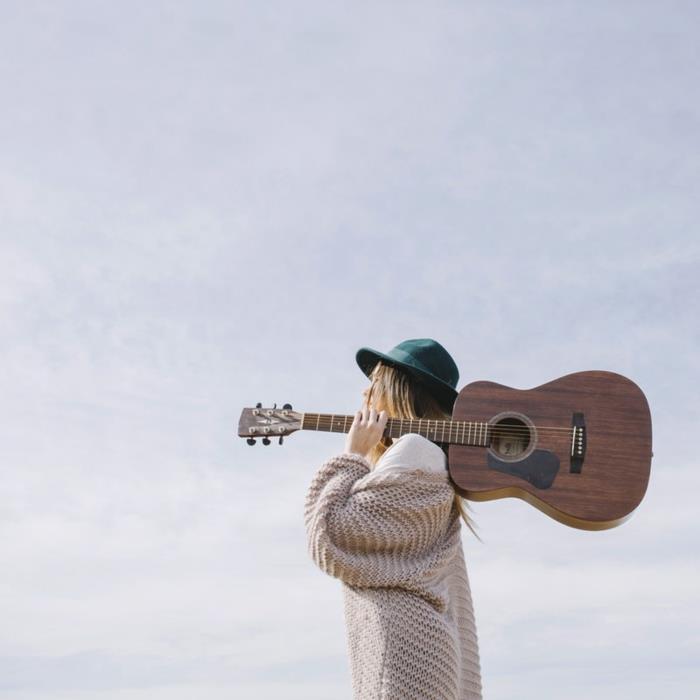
(445, 431)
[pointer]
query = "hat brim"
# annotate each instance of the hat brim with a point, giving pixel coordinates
(367, 359)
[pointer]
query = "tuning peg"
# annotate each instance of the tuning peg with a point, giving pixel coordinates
(281, 440)
(266, 441)
(251, 441)
(274, 406)
(258, 405)
(287, 407)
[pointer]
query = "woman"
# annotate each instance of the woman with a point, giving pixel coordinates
(385, 520)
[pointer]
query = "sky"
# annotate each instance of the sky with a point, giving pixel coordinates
(208, 205)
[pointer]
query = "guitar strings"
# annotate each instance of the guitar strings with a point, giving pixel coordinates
(394, 422)
(466, 427)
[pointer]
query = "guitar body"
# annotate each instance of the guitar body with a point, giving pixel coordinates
(591, 478)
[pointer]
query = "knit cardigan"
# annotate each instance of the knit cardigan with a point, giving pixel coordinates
(393, 539)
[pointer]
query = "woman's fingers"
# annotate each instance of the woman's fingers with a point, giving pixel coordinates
(366, 430)
(370, 416)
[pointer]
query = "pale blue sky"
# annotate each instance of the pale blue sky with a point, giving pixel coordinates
(206, 206)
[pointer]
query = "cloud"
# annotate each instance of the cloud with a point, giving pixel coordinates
(202, 208)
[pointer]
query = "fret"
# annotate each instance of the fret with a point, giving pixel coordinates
(472, 433)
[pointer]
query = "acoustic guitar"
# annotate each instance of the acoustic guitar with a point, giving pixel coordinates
(577, 448)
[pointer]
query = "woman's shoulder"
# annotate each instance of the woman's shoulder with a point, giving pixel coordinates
(413, 451)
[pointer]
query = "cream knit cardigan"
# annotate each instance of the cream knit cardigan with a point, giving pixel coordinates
(393, 538)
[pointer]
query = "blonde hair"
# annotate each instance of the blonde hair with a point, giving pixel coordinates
(401, 396)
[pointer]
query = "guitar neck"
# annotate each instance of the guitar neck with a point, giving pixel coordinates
(477, 434)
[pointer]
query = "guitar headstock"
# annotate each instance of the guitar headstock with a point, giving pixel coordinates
(268, 423)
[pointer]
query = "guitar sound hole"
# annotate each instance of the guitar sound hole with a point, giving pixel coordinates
(510, 438)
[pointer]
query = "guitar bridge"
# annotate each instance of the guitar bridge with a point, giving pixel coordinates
(578, 443)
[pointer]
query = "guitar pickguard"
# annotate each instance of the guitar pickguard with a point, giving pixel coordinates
(539, 468)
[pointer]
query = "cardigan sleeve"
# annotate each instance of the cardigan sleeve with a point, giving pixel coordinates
(374, 529)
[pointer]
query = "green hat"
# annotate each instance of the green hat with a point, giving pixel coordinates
(425, 360)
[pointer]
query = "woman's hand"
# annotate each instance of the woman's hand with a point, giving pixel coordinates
(366, 431)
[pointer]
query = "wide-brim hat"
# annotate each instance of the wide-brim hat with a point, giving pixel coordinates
(425, 360)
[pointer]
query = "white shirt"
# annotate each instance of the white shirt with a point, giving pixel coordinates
(413, 451)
